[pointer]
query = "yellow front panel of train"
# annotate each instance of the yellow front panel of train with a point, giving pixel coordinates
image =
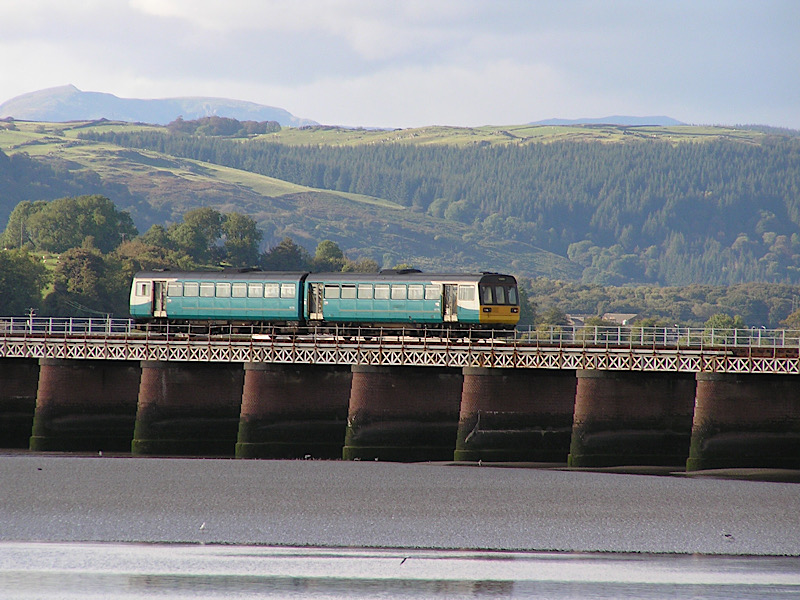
(499, 315)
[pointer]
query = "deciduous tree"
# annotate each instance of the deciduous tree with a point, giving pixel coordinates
(328, 257)
(85, 284)
(242, 238)
(724, 321)
(198, 234)
(22, 278)
(64, 223)
(286, 256)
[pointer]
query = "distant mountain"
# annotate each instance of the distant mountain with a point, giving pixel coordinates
(615, 120)
(68, 103)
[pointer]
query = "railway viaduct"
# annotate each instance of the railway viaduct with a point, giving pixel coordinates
(590, 398)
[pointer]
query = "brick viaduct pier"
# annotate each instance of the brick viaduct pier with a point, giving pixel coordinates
(593, 398)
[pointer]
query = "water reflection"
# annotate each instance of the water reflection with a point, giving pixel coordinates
(323, 587)
(93, 571)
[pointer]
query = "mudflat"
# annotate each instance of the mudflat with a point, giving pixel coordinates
(63, 498)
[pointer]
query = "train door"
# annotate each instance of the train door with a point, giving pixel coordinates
(450, 304)
(315, 301)
(159, 298)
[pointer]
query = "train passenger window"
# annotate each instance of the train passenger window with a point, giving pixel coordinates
(381, 291)
(255, 290)
(466, 293)
(416, 292)
(331, 291)
(239, 290)
(348, 291)
(500, 294)
(223, 290)
(207, 289)
(398, 292)
(512, 296)
(432, 292)
(191, 289)
(365, 291)
(288, 290)
(175, 288)
(271, 290)
(143, 289)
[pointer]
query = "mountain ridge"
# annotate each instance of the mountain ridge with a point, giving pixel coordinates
(68, 103)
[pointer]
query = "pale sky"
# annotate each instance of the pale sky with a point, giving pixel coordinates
(407, 63)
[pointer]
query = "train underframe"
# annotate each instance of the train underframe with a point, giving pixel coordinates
(325, 328)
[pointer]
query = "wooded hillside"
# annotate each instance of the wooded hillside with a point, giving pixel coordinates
(436, 199)
(608, 205)
(720, 211)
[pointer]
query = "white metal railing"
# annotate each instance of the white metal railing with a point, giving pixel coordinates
(542, 335)
(667, 337)
(15, 326)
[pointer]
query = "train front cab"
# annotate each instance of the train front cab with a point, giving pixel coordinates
(499, 300)
(487, 301)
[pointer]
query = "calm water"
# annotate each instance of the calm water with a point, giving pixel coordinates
(88, 571)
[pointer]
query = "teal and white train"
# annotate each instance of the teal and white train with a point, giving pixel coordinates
(298, 299)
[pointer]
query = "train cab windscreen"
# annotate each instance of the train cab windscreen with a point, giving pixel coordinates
(499, 294)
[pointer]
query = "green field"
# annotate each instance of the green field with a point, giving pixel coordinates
(60, 141)
(42, 138)
(512, 134)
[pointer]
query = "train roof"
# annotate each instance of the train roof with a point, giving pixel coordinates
(230, 275)
(405, 276)
(386, 276)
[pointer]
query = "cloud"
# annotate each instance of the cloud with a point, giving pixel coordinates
(386, 62)
(375, 31)
(499, 92)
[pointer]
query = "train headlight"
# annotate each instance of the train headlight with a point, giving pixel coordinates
(487, 309)
(514, 310)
